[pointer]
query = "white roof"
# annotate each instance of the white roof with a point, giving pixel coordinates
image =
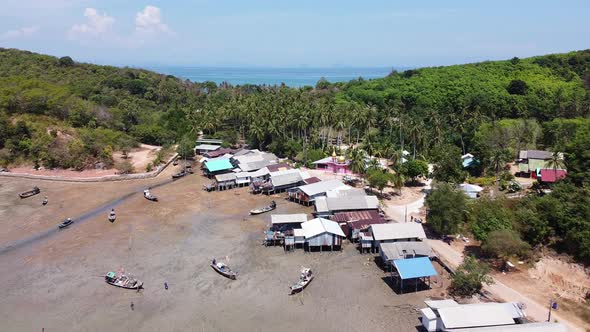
(225, 177)
(527, 327)
(323, 160)
(470, 187)
(466, 156)
(208, 147)
(289, 176)
(288, 218)
(474, 315)
(346, 191)
(298, 232)
(345, 203)
(319, 226)
(261, 172)
(437, 304)
(396, 231)
(399, 250)
(322, 187)
(428, 313)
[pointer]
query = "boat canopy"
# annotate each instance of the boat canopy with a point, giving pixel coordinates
(111, 275)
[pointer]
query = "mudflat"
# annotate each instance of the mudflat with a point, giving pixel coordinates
(53, 279)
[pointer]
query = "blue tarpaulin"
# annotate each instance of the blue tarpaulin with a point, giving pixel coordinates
(411, 268)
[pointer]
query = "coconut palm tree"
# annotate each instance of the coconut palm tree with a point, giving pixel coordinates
(555, 162)
(357, 161)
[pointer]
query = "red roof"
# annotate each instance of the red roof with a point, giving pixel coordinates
(359, 219)
(311, 180)
(550, 175)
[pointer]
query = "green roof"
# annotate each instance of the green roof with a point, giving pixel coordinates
(218, 165)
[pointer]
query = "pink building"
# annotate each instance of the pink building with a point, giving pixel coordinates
(334, 164)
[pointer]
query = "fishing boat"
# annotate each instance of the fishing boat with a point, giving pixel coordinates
(123, 280)
(272, 206)
(45, 201)
(66, 223)
(223, 269)
(180, 174)
(30, 193)
(112, 216)
(148, 195)
(304, 279)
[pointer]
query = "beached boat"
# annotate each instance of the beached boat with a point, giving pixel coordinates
(123, 280)
(112, 216)
(66, 223)
(223, 269)
(304, 279)
(180, 174)
(272, 206)
(30, 193)
(45, 201)
(148, 195)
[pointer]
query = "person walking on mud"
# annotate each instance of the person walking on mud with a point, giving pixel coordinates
(132, 306)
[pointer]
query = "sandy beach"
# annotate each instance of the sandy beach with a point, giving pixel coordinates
(52, 279)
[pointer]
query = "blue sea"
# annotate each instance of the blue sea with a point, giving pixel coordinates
(294, 77)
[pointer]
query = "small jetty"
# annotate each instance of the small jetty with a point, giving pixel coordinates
(304, 279)
(30, 193)
(223, 269)
(122, 280)
(272, 206)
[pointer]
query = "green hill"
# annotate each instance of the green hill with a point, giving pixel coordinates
(98, 109)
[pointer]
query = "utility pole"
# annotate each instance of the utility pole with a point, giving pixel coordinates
(552, 305)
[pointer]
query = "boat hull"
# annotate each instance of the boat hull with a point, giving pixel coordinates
(29, 193)
(139, 285)
(295, 290)
(231, 275)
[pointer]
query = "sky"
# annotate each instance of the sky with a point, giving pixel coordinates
(282, 33)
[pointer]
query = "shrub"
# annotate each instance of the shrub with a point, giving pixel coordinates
(124, 167)
(470, 278)
(505, 243)
(447, 209)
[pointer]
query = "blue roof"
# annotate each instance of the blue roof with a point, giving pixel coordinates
(414, 267)
(218, 165)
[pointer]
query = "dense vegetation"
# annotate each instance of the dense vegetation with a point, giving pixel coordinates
(61, 113)
(415, 110)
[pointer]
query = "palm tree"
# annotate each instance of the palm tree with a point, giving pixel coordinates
(357, 161)
(555, 162)
(398, 181)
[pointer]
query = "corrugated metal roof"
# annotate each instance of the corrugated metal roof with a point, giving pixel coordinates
(474, 315)
(352, 203)
(288, 218)
(298, 232)
(470, 187)
(312, 179)
(346, 192)
(322, 187)
(282, 178)
(279, 167)
(535, 154)
(528, 327)
(437, 304)
(397, 231)
(550, 175)
(319, 226)
(207, 147)
(214, 165)
(411, 268)
(321, 204)
(225, 177)
(399, 250)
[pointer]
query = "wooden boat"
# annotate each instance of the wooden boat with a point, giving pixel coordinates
(180, 174)
(148, 195)
(123, 280)
(66, 223)
(304, 279)
(45, 201)
(223, 269)
(30, 193)
(272, 206)
(112, 216)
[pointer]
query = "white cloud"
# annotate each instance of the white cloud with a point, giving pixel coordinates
(150, 20)
(96, 24)
(19, 33)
